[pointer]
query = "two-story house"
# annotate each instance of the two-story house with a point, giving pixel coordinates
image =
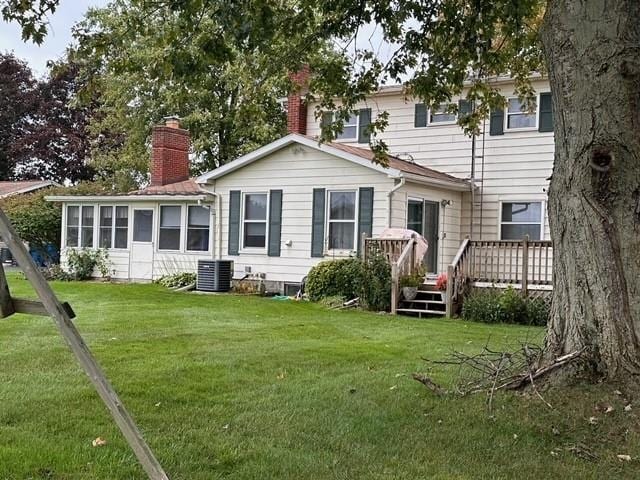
(280, 209)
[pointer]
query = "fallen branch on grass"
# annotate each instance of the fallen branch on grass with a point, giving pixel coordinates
(490, 371)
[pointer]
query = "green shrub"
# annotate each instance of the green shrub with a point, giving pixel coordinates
(350, 278)
(335, 278)
(506, 306)
(82, 262)
(375, 283)
(177, 280)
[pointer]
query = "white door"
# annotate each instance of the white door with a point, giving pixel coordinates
(141, 258)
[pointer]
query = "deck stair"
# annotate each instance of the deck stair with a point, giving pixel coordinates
(429, 302)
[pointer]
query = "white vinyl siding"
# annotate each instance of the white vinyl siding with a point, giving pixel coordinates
(297, 170)
(517, 164)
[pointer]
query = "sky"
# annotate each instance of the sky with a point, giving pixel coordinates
(59, 36)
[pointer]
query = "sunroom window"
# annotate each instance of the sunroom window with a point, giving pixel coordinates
(73, 226)
(518, 116)
(114, 226)
(342, 220)
(255, 220)
(170, 220)
(520, 219)
(198, 221)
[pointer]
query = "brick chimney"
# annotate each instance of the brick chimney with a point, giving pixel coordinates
(297, 108)
(169, 153)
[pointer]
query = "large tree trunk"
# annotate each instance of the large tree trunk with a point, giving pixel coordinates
(593, 55)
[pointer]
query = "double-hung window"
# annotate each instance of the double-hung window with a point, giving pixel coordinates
(198, 224)
(349, 129)
(170, 222)
(114, 226)
(518, 116)
(79, 226)
(521, 218)
(442, 114)
(255, 220)
(342, 220)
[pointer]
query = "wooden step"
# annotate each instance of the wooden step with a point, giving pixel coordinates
(417, 300)
(421, 312)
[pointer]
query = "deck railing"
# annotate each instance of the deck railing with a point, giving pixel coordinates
(401, 255)
(522, 263)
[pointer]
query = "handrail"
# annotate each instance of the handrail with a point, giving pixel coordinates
(455, 276)
(461, 250)
(399, 268)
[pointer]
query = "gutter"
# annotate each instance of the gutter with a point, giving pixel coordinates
(124, 198)
(390, 197)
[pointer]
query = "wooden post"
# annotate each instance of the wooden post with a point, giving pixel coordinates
(394, 288)
(81, 351)
(525, 265)
(449, 294)
(363, 246)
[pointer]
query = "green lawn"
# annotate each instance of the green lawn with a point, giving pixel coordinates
(250, 388)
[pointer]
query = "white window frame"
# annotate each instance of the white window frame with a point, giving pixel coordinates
(186, 228)
(80, 227)
(113, 226)
(159, 227)
(336, 251)
(521, 129)
(260, 250)
(433, 111)
(357, 125)
(522, 200)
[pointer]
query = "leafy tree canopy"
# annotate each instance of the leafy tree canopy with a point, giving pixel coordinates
(211, 63)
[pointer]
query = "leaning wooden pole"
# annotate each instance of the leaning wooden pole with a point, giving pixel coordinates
(81, 351)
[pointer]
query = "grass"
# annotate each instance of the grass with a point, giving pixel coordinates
(250, 388)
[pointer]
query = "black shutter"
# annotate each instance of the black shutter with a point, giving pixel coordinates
(234, 222)
(464, 108)
(420, 116)
(364, 135)
(546, 113)
(275, 222)
(317, 223)
(496, 124)
(365, 214)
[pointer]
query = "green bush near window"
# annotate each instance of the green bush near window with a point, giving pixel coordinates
(82, 262)
(350, 278)
(504, 306)
(335, 278)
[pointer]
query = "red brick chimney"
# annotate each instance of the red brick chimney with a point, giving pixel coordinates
(297, 108)
(169, 153)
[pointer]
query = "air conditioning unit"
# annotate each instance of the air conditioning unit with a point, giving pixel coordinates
(214, 275)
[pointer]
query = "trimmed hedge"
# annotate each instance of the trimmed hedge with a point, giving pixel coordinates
(504, 306)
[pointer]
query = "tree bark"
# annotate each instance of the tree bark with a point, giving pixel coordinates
(593, 56)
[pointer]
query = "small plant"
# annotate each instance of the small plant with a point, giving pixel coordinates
(441, 282)
(81, 263)
(177, 280)
(335, 278)
(375, 283)
(414, 280)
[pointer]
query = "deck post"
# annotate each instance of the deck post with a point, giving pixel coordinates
(394, 288)
(449, 293)
(525, 265)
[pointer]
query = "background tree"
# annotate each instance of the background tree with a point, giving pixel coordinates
(18, 99)
(206, 62)
(54, 143)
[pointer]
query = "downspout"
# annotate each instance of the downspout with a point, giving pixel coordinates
(218, 236)
(390, 197)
